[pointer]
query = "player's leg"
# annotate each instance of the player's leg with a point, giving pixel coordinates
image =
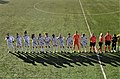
(90, 46)
(105, 46)
(109, 46)
(94, 47)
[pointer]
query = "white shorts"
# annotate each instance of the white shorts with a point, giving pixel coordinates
(26, 44)
(18, 44)
(47, 44)
(69, 44)
(34, 44)
(40, 44)
(9, 44)
(62, 44)
(84, 44)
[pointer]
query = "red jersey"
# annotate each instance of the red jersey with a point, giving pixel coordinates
(93, 39)
(108, 37)
(100, 39)
(76, 38)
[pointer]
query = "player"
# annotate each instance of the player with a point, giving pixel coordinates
(92, 42)
(18, 43)
(34, 44)
(107, 41)
(100, 42)
(54, 43)
(69, 42)
(47, 40)
(114, 41)
(41, 42)
(26, 42)
(118, 41)
(10, 41)
(76, 41)
(61, 42)
(83, 42)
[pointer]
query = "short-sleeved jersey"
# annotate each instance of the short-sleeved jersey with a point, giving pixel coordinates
(54, 40)
(68, 39)
(40, 39)
(9, 39)
(76, 37)
(34, 40)
(47, 39)
(83, 39)
(108, 37)
(61, 40)
(114, 39)
(93, 39)
(18, 39)
(26, 38)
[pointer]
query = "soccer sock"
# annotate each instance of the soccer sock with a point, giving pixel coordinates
(105, 48)
(85, 50)
(109, 48)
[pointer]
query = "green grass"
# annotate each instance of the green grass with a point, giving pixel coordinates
(59, 16)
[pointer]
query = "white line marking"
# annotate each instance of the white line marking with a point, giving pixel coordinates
(107, 13)
(103, 72)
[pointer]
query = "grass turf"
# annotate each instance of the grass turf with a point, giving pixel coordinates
(20, 15)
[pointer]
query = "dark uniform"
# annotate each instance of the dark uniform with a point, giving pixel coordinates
(114, 40)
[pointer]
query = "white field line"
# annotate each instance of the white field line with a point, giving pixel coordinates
(107, 13)
(103, 72)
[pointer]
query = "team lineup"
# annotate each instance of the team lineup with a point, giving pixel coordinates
(44, 43)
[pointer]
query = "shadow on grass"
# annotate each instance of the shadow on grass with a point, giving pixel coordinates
(60, 60)
(4, 1)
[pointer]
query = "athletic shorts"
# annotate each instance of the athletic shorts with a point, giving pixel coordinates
(107, 43)
(92, 44)
(100, 44)
(113, 44)
(34, 44)
(40, 44)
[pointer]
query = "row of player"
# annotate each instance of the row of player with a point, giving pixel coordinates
(42, 43)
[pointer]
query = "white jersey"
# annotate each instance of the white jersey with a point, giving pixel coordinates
(61, 41)
(47, 41)
(18, 41)
(26, 40)
(69, 41)
(83, 41)
(34, 41)
(54, 41)
(9, 40)
(40, 41)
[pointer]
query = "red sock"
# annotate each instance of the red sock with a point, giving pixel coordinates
(109, 48)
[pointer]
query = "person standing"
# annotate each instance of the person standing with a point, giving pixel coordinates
(107, 41)
(92, 42)
(41, 42)
(34, 44)
(47, 40)
(26, 42)
(69, 42)
(114, 41)
(83, 42)
(10, 41)
(18, 43)
(61, 42)
(100, 42)
(54, 43)
(76, 41)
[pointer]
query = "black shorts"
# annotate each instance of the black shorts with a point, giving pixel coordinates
(113, 44)
(92, 44)
(107, 43)
(100, 44)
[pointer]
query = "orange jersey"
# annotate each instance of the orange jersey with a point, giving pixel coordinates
(93, 39)
(108, 37)
(76, 38)
(100, 39)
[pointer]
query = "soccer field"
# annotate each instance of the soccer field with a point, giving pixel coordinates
(59, 16)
